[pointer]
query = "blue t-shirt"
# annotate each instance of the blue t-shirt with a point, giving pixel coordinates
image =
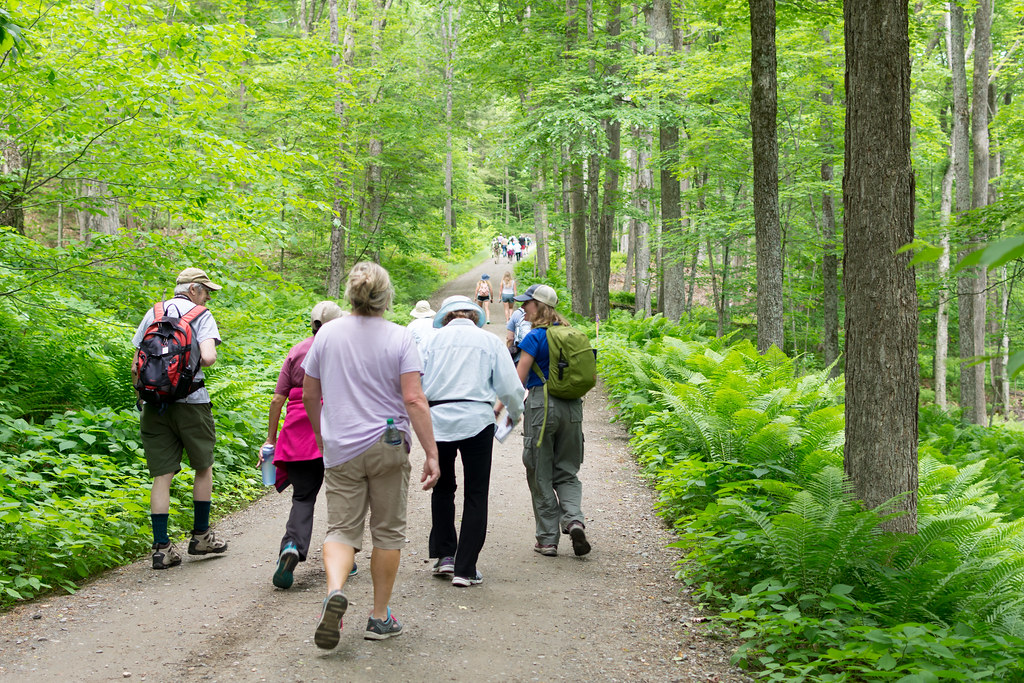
(536, 344)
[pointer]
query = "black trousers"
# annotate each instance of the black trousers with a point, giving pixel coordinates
(306, 477)
(476, 466)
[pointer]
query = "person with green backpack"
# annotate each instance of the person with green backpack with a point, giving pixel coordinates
(557, 366)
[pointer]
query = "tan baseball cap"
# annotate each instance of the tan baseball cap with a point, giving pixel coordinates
(196, 276)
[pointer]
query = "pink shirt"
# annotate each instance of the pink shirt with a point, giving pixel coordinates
(296, 440)
(359, 361)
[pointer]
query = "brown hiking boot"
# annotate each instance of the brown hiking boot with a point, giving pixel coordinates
(205, 543)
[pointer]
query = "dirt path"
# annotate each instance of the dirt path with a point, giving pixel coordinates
(615, 615)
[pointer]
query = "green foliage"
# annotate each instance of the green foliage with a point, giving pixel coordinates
(747, 461)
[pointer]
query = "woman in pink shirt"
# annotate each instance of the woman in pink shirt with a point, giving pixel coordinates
(298, 460)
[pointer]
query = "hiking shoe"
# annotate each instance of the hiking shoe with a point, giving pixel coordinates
(445, 566)
(464, 582)
(546, 550)
(328, 631)
(355, 570)
(580, 544)
(165, 555)
(377, 629)
(206, 542)
(286, 563)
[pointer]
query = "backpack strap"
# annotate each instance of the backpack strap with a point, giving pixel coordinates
(158, 311)
(193, 313)
(544, 383)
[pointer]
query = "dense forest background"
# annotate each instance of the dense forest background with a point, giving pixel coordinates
(680, 168)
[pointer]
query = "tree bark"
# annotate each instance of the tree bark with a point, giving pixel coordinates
(881, 297)
(601, 248)
(540, 224)
(339, 217)
(767, 231)
(450, 36)
(12, 213)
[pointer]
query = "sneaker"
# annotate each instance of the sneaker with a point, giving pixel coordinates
(379, 630)
(206, 542)
(546, 550)
(328, 631)
(286, 563)
(580, 544)
(445, 566)
(464, 582)
(355, 570)
(165, 556)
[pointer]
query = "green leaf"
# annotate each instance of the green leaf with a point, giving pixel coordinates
(993, 255)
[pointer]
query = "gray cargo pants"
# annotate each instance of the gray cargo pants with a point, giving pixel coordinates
(552, 466)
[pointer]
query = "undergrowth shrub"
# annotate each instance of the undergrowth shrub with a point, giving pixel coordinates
(747, 460)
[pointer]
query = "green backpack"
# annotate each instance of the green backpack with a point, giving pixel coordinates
(572, 367)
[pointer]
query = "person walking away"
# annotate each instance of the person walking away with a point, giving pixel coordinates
(169, 429)
(518, 327)
(366, 371)
(508, 293)
(517, 249)
(552, 462)
(510, 249)
(483, 295)
(298, 460)
(422, 325)
(464, 371)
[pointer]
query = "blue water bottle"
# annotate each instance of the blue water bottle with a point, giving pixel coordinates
(269, 470)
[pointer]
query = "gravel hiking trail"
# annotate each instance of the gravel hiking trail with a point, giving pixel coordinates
(616, 614)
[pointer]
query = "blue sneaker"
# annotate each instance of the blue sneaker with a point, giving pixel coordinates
(377, 629)
(286, 563)
(355, 570)
(328, 631)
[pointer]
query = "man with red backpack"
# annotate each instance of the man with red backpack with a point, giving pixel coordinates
(175, 340)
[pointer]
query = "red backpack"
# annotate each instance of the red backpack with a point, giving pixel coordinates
(168, 357)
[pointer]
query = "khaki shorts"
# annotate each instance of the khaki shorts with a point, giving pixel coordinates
(377, 480)
(184, 427)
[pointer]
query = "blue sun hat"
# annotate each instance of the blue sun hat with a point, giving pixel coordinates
(458, 303)
(485, 276)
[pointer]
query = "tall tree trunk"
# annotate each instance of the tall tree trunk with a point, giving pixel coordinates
(374, 202)
(339, 207)
(450, 36)
(942, 310)
(829, 259)
(12, 212)
(767, 231)
(979, 199)
(645, 180)
(540, 224)
(671, 298)
(601, 248)
(881, 297)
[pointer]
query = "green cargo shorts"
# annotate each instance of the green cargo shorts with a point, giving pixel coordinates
(184, 427)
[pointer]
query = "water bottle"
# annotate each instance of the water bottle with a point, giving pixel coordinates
(269, 471)
(392, 436)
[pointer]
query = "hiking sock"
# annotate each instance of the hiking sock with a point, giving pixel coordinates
(202, 516)
(160, 536)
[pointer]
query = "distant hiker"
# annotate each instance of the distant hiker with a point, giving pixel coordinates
(298, 460)
(510, 249)
(367, 372)
(508, 293)
(518, 327)
(483, 295)
(179, 425)
(517, 249)
(552, 434)
(464, 370)
(497, 248)
(422, 325)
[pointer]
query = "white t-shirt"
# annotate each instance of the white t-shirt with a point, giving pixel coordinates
(422, 331)
(205, 327)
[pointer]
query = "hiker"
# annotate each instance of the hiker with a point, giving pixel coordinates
(464, 370)
(483, 296)
(497, 248)
(508, 292)
(518, 327)
(422, 325)
(517, 249)
(298, 460)
(182, 425)
(553, 463)
(366, 371)
(510, 249)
